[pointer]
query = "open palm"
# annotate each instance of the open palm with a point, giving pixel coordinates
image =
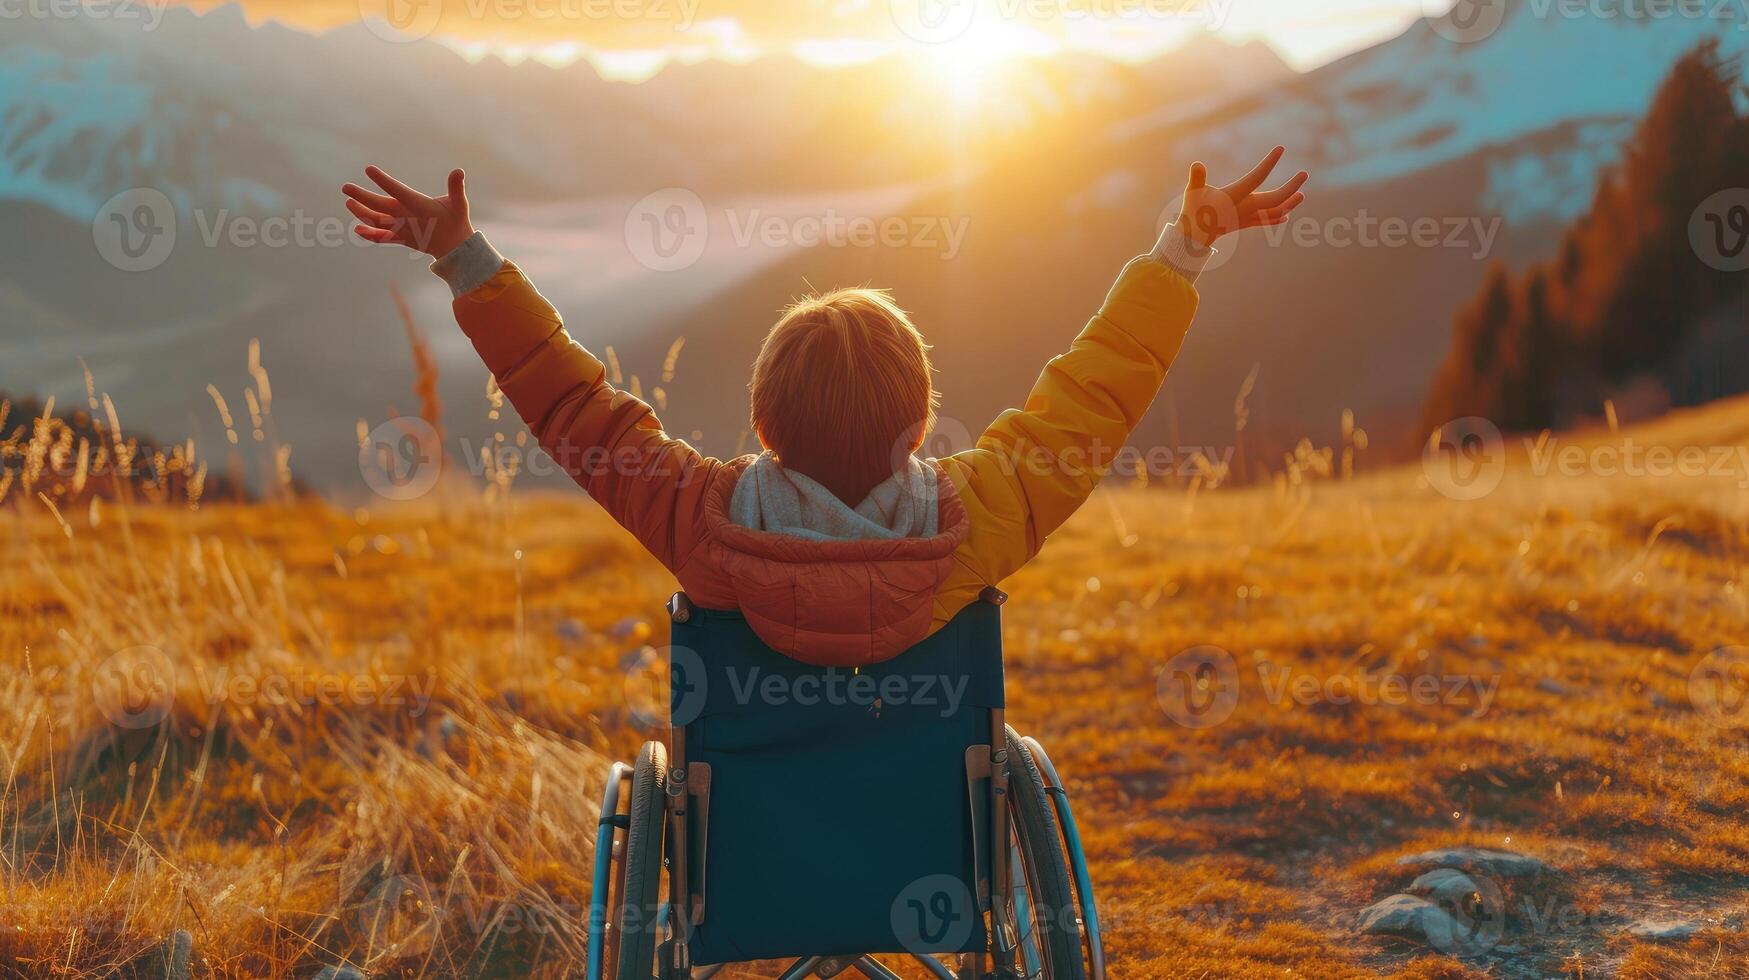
(1211, 212)
(404, 216)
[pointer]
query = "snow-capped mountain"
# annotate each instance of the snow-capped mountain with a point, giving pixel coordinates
(1076, 161)
(1440, 93)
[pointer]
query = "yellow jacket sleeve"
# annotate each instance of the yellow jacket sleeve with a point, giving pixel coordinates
(610, 442)
(1034, 467)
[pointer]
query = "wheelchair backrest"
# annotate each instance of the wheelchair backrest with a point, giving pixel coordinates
(836, 800)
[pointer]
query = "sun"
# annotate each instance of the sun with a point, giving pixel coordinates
(970, 66)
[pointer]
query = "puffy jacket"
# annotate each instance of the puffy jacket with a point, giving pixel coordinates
(840, 603)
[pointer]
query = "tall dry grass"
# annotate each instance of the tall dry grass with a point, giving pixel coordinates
(420, 802)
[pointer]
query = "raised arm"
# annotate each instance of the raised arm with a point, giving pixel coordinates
(1034, 467)
(608, 441)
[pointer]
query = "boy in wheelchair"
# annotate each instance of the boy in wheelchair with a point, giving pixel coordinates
(836, 549)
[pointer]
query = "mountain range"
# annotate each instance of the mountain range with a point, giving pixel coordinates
(1053, 182)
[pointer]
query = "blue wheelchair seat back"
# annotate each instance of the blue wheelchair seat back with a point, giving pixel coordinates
(829, 791)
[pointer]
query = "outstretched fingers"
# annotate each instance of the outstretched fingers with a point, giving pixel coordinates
(1260, 173)
(407, 196)
(380, 236)
(371, 216)
(1272, 216)
(458, 190)
(1275, 198)
(370, 199)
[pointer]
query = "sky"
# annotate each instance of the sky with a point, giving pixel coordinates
(633, 38)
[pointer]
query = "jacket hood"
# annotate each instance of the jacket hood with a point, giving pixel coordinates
(829, 603)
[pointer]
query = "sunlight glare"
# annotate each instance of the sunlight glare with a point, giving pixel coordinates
(969, 64)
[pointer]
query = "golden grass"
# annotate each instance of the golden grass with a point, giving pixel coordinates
(284, 836)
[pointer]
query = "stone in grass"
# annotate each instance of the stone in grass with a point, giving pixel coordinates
(1473, 860)
(1430, 923)
(338, 973)
(1441, 881)
(1405, 916)
(1663, 930)
(630, 628)
(178, 955)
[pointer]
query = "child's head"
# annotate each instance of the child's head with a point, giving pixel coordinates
(842, 390)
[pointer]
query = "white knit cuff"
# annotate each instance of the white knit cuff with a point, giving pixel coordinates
(469, 265)
(1180, 253)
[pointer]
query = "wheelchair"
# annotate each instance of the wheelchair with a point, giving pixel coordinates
(827, 815)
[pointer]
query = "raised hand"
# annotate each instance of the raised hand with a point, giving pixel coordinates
(1211, 212)
(403, 216)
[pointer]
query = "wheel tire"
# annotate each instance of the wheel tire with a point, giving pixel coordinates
(637, 915)
(1046, 864)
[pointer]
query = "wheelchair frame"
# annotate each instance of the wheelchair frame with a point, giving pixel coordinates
(689, 782)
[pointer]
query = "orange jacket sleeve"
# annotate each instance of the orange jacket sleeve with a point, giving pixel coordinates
(1034, 467)
(608, 441)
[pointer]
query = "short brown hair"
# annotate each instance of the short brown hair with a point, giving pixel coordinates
(843, 390)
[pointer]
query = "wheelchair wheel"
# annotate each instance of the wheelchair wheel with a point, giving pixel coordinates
(1042, 906)
(637, 917)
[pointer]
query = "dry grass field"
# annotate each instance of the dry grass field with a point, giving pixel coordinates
(387, 729)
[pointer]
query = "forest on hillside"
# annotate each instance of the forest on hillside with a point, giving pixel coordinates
(1643, 303)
